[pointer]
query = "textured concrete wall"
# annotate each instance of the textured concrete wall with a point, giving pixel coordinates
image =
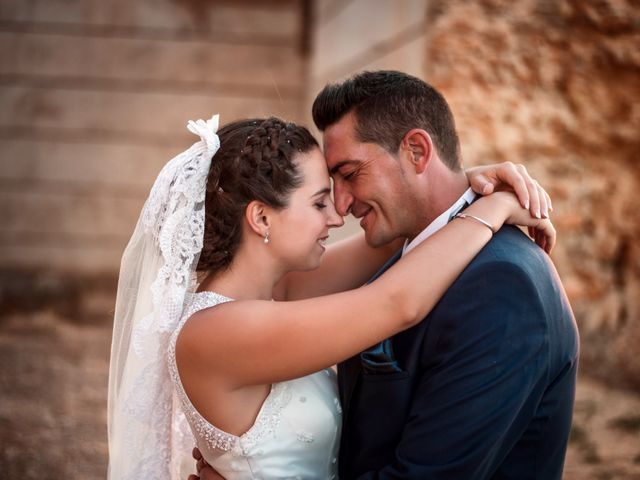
(95, 96)
(552, 85)
(94, 99)
(555, 85)
(349, 36)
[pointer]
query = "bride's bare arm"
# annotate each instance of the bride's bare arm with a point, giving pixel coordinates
(259, 342)
(349, 263)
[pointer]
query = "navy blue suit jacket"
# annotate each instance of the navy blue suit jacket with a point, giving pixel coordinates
(483, 386)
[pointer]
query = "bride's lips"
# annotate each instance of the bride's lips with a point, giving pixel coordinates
(321, 241)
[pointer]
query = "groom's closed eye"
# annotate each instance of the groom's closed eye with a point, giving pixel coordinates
(347, 172)
(343, 167)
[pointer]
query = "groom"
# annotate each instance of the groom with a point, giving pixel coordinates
(483, 387)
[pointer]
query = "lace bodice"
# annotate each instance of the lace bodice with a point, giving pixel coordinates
(296, 432)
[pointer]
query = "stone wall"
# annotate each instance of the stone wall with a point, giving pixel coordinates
(95, 96)
(552, 85)
(353, 35)
(94, 99)
(555, 85)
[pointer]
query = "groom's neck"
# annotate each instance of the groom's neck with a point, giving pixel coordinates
(444, 188)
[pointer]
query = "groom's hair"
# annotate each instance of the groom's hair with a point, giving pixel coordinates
(387, 104)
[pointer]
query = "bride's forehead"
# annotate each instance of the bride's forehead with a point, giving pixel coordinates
(312, 163)
(314, 179)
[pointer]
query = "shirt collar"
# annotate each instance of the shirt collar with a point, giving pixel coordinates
(467, 198)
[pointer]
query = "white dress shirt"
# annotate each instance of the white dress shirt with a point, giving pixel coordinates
(466, 199)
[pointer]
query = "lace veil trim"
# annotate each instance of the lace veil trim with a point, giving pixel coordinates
(148, 434)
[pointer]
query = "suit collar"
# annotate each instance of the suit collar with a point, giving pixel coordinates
(466, 199)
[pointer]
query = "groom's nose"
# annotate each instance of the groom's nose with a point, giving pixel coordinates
(342, 199)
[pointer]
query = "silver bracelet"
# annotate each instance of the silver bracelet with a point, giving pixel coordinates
(477, 219)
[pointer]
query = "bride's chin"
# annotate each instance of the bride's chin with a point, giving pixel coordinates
(308, 261)
(312, 262)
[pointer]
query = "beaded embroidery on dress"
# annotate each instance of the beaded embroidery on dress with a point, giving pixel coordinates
(296, 433)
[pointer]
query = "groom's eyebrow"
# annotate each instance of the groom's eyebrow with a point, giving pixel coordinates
(339, 165)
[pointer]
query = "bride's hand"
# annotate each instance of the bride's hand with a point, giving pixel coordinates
(205, 471)
(487, 179)
(541, 230)
(504, 207)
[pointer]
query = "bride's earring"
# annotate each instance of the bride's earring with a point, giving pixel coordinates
(266, 237)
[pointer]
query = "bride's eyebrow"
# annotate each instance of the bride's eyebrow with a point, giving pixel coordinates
(323, 191)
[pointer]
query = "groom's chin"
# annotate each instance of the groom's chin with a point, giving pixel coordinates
(379, 238)
(374, 240)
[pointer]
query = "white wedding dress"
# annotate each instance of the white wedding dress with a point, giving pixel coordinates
(295, 435)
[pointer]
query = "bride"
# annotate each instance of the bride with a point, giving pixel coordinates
(202, 354)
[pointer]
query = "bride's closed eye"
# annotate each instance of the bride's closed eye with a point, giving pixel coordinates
(320, 205)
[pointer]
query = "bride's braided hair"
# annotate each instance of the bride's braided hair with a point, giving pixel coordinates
(255, 162)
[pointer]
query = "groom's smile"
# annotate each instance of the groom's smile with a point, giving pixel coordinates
(363, 215)
(368, 182)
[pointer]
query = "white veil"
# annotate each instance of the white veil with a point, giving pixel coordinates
(148, 434)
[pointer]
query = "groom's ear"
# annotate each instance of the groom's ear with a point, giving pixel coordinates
(418, 147)
(257, 216)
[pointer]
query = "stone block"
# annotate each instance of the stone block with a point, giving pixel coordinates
(139, 63)
(279, 19)
(128, 113)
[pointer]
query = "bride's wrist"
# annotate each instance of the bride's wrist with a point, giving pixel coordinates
(494, 209)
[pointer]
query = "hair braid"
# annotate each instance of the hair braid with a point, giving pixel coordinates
(255, 162)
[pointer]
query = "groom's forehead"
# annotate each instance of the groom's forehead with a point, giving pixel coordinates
(342, 130)
(339, 145)
(337, 156)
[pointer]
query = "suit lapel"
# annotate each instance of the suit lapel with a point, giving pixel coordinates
(350, 370)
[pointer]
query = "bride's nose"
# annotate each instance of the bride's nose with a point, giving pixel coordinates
(334, 219)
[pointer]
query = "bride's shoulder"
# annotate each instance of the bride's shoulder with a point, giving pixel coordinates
(211, 336)
(199, 319)
(201, 340)
(209, 325)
